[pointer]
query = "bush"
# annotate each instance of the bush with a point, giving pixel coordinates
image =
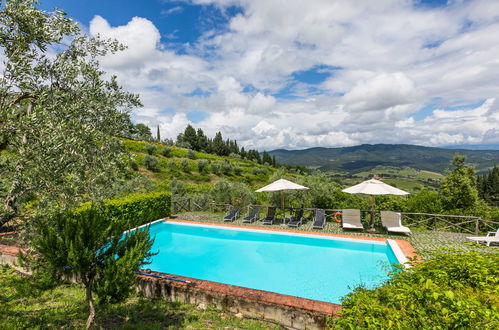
(150, 149)
(238, 170)
(202, 163)
(185, 165)
(191, 154)
(172, 164)
(134, 165)
(234, 155)
(453, 290)
(215, 168)
(259, 170)
(151, 163)
(226, 168)
(136, 209)
(166, 152)
(236, 193)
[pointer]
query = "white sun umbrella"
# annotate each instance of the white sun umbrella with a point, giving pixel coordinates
(374, 187)
(282, 185)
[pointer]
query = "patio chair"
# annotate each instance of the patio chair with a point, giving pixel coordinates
(319, 219)
(269, 219)
(252, 215)
(492, 237)
(296, 219)
(350, 219)
(232, 214)
(392, 221)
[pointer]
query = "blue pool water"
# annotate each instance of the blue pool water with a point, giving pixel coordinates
(303, 266)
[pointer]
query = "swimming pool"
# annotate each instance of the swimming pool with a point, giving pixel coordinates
(307, 266)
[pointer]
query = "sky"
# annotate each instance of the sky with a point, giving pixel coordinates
(296, 74)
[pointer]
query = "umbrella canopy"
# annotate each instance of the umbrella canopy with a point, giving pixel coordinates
(281, 185)
(374, 187)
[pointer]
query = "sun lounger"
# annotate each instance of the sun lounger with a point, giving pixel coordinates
(296, 219)
(392, 221)
(252, 216)
(350, 219)
(269, 219)
(232, 214)
(492, 237)
(319, 219)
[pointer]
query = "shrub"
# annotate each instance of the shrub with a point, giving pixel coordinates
(453, 290)
(215, 168)
(234, 155)
(166, 151)
(191, 154)
(150, 149)
(202, 163)
(137, 209)
(134, 165)
(185, 165)
(172, 164)
(226, 168)
(259, 170)
(151, 163)
(238, 170)
(236, 193)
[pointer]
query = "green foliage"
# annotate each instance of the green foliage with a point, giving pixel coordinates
(215, 168)
(425, 201)
(151, 163)
(202, 164)
(137, 209)
(185, 165)
(150, 149)
(58, 112)
(191, 154)
(166, 152)
(488, 186)
(459, 190)
(89, 244)
(453, 290)
(234, 193)
(142, 132)
(238, 170)
(226, 168)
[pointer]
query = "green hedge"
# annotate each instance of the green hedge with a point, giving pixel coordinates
(452, 290)
(136, 209)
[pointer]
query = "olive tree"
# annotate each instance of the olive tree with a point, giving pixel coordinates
(59, 118)
(58, 113)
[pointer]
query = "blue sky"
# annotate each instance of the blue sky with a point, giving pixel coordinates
(293, 74)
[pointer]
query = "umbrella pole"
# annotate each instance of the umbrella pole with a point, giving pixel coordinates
(372, 212)
(282, 206)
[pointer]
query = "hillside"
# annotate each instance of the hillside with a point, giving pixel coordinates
(195, 168)
(353, 160)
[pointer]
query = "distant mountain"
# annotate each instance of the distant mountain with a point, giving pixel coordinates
(351, 160)
(473, 146)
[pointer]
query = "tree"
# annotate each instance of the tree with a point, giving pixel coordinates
(143, 132)
(59, 118)
(459, 188)
(58, 114)
(202, 140)
(190, 137)
(158, 135)
(219, 147)
(90, 246)
(266, 159)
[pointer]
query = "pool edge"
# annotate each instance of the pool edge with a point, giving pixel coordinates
(406, 248)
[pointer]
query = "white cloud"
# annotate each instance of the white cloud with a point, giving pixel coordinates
(392, 59)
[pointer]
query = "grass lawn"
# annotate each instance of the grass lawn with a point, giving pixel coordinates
(25, 303)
